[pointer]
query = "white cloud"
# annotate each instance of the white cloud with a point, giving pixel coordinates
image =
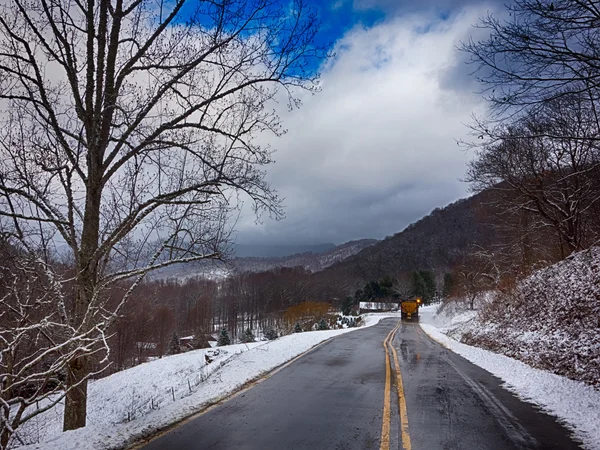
(375, 150)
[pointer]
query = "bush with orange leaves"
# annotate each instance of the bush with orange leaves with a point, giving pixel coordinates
(306, 314)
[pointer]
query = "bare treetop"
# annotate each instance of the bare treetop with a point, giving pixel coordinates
(129, 133)
(542, 49)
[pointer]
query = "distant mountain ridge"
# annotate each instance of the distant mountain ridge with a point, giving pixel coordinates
(320, 258)
(435, 242)
(313, 262)
(278, 251)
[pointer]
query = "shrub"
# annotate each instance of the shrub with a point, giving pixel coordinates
(223, 338)
(248, 336)
(174, 345)
(271, 334)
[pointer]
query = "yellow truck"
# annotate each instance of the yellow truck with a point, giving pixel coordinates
(409, 309)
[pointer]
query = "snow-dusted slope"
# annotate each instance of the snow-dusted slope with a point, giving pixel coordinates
(551, 320)
(215, 270)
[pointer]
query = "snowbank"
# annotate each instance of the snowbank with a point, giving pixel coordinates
(135, 403)
(574, 403)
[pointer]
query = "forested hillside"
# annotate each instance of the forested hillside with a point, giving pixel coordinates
(311, 261)
(436, 242)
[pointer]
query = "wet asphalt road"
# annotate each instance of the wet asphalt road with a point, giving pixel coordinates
(333, 399)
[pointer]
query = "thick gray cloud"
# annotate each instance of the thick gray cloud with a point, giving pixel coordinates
(376, 149)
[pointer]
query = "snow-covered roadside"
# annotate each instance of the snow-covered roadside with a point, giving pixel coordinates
(573, 402)
(149, 389)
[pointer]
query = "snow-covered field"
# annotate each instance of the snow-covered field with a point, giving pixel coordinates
(576, 404)
(137, 402)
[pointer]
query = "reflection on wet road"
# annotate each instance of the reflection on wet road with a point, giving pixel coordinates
(334, 398)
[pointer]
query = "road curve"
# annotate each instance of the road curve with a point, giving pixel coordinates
(335, 398)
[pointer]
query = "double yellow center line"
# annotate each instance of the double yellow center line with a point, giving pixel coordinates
(385, 427)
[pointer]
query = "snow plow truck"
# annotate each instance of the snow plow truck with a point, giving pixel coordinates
(409, 309)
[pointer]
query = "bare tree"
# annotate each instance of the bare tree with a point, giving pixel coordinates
(477, 274)
(403, 285)
(547, 164)
(36, 345)
(128, 130)
(542, 50)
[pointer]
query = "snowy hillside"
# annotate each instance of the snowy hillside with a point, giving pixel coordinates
(313, 262)
(215, 270)
(550, 320)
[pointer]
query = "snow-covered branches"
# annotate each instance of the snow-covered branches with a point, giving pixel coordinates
(128, 134)
(37, 342)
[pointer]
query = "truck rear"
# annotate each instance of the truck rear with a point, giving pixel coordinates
(409, 309)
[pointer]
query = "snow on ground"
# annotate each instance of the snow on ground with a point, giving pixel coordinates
(135, 403)
(549, 320)
(576, 404)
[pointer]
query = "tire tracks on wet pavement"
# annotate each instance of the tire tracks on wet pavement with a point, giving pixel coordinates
(388, 386)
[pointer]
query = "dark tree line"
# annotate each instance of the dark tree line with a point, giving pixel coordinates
(198, 307)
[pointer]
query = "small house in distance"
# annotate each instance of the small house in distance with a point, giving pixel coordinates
(377, 306)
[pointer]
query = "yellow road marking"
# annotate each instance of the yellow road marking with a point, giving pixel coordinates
(385, 427)
(401, 403)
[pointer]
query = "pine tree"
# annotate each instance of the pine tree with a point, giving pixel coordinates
(448, 285)
(174, 345)
(271, 334)
(298, 328)
(323, 325)
(347, 305)
(248, 336)
(223, 338)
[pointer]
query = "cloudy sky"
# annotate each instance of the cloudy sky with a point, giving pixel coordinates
(376, 149)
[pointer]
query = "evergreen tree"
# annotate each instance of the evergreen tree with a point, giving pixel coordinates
(298, 328)
(223, 338)
(248, 336)
(373, 290)
(430, 289)
(448, 285)
(323, 325)
(423, 285)
(418, 285)
(174, 345)
(360, 296)
(347, 305)
(386, 286)
(271, 334)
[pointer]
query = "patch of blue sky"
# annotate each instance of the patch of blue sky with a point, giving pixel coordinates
(336, 18)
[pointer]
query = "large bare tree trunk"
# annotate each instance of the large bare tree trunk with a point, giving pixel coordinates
(78, 368)
(76, 399)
